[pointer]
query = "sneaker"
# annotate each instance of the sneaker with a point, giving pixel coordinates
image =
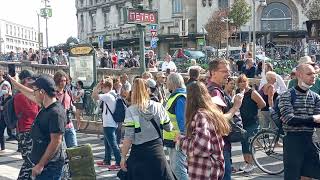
(114, 167)
(243, 166)
(249, 168)
(102, 164)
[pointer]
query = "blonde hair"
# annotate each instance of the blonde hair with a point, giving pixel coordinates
(270, 74)
(198, 98)
(139, 94)
(108, 82)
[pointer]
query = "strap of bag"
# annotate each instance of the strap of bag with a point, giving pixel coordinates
(156, 127)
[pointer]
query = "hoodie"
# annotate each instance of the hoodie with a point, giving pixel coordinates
(139, 128)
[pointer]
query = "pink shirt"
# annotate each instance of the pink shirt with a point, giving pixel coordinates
(66, 101)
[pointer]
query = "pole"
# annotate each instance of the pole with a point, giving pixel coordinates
(39, 30)
(47, 38)
(227, 53)
(112, 40)
(142, 49)
(254, 31)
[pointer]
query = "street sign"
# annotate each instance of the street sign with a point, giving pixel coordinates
(153, 27)
(46, 12)
(201, 42)
(82, 66)
(139, 16)
(153, 43)
(154, 33)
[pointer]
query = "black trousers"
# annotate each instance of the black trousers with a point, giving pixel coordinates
(301, 155)
(2, 128)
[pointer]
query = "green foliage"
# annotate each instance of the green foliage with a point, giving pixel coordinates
(240, 13)
(217, 30)
(313, 10)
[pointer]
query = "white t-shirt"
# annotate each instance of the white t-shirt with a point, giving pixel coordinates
(168, 65)
(109, 99)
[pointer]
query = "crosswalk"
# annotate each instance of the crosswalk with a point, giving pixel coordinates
(10, 161)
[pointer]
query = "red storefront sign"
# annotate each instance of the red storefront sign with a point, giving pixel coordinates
(135, 16)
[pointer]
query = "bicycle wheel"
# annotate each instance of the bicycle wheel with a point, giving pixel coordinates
(267, 151)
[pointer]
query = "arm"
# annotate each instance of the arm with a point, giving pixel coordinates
(180, 111)
(29, 93)
(258, 99)
(55, 143)
(95, 92)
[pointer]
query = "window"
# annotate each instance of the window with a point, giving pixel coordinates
(10, 29)
(14, 31)
(81, 23)
(121, 16)
(22, 32)
(91, 2)
(176, 6)
(7, 29)
(222, 4)
(106, 19)
(18, 32)
(31, 35)
(93, 21)
(35, 36)
(276, 17)
(80, 3)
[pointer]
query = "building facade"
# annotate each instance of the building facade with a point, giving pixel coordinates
(181, 22)
(16, 37)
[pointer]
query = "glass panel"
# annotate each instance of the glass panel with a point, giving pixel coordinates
(276, 17)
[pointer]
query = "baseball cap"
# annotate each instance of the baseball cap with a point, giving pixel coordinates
(46, 83)
(151, 83)
(306, 60)
(26, 74)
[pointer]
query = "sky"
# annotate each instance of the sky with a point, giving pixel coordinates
(61, 25)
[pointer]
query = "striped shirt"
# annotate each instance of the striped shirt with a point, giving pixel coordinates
(298, 117)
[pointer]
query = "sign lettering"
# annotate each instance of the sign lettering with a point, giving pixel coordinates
(135, 16)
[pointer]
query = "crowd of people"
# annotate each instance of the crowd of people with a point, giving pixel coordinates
(187, 119)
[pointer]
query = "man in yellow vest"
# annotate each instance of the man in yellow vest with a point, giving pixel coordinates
(176, 110)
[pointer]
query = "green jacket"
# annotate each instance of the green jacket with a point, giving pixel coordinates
(315, 88)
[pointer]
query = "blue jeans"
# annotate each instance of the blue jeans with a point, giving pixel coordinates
(178, 162)
(51, 172)
(70, 137)
(110, 144)
(227, 165)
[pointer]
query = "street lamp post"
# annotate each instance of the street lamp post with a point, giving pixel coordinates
(227, 20)
(263, 3)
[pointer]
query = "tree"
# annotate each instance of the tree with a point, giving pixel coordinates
(240, 13)
(312, 10)
(216, 28)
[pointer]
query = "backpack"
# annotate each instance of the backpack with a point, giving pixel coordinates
(275, 111)
(120, 111)
(10, 116)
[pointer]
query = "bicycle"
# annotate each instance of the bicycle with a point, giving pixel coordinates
(92, 111)
(267, 151)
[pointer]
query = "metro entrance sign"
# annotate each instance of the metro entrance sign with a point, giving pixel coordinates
(143, 17)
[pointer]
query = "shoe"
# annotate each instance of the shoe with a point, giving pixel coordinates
(113, 167)
(102, 164)
(249, 168)
(243, 166)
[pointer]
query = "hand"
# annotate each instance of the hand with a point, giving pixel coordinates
(36, 170)
(123, 164)
(316, 118)
(238, 101)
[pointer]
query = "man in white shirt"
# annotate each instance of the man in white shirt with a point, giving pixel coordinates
(108, 98)
(168, 64)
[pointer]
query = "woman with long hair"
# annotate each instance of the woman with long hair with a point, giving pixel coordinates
(251, 103)
(203, 143)
(143, 134)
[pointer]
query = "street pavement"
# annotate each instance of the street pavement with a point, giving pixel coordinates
(10, 161)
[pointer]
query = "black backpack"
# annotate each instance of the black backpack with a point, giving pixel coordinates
(10, 116)
(120, 112)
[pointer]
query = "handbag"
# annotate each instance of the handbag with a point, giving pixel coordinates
(237, 133)
(122, 175)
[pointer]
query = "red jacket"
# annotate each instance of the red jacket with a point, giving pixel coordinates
(27, 110)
